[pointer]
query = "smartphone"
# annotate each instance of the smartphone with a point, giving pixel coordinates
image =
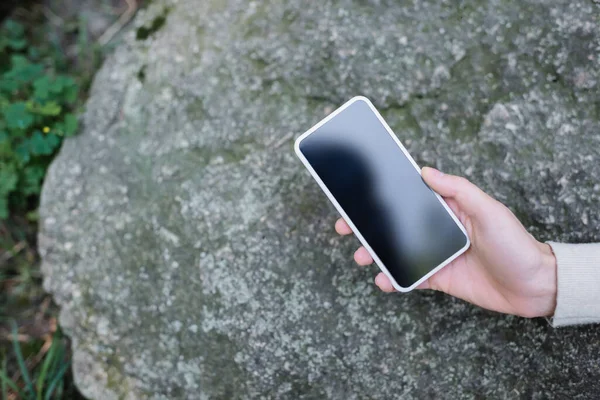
(376, 186)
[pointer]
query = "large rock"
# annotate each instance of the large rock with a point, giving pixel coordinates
(193, 256)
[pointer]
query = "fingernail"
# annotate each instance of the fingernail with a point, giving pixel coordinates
(377, 278)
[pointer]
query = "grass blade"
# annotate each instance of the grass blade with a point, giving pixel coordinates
(6, 381)
(59, 356)
(4, 385)
(20, 361)
(56, 380)
(45, 366)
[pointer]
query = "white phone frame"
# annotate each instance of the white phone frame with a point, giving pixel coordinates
(345, 216)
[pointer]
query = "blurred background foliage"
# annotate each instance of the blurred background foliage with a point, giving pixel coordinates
(49, 52)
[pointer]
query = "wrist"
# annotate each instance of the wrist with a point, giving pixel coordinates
(547, 281)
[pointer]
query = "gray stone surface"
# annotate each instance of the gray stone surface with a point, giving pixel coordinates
(193, 256)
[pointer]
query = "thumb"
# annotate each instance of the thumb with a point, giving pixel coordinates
(469, 197)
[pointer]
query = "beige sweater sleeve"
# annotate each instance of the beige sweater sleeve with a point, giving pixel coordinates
(578, 281)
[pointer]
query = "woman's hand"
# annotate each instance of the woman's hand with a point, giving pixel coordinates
(504, 270)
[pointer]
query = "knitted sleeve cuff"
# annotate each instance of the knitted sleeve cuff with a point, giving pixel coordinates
(578, 283)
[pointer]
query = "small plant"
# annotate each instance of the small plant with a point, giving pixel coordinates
(36, 105)
(45, 382)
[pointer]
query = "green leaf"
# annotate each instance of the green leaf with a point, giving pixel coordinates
(19, 61)
(3, 212)
(33, 216)
(23, 153)
(8, 179)
(68, 81)
(8, 183)
(7, 84)
(17, 44)
(23, 71)
(58, 84)
(51, 108)
(53, 140)
(42, 145)
(70, 124)
(33, 53)
(33, 176)
(14, 29)
(41, 87)
(71, 94)
(17, 116)
(70, 89)
(61, 86)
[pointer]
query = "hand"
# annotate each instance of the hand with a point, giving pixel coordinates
(504, 270)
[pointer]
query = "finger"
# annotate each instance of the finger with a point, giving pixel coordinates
(453, 206)
(342, 227)
(440, 281)
(469, 197)
(424, 285)
(384, 283)
(362, 257)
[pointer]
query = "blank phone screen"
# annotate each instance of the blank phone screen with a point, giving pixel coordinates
(382, 193)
